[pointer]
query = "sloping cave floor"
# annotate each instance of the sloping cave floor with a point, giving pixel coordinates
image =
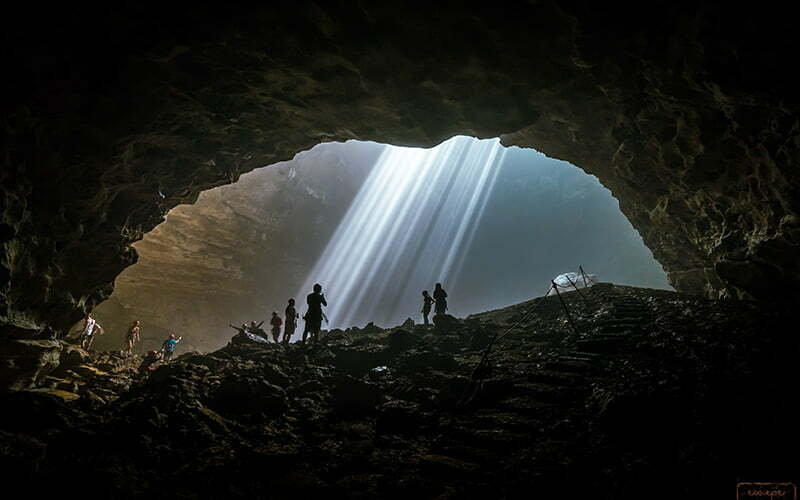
(657, 395)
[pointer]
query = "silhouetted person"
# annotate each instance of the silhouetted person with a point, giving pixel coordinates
(427, 302)
(290, 322)
(441, 299)
(276, 323)
(168, 348)
(314, 315)
(132, 337)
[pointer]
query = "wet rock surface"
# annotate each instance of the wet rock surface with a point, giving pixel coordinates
(650, 386)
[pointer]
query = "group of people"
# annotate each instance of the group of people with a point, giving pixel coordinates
(315, 315)
(91, 328)
(163, 355)
(313, 324)
(313, 320)
(439, 298)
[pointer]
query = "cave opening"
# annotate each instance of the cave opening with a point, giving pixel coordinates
(375, 224)
(113, 116)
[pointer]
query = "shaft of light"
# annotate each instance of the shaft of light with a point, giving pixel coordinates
(408, 228)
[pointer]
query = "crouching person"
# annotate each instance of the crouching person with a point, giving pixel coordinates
(147, 363)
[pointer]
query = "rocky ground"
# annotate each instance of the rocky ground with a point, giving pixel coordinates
(643, 394)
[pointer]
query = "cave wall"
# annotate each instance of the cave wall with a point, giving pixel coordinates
(113, 116)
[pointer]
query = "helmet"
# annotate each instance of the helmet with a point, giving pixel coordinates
(151, 352)
(172, 336)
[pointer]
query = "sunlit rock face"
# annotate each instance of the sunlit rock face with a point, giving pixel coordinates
(237, 253)
(113, 117)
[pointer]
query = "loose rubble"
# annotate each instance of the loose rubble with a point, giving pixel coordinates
(655, 392)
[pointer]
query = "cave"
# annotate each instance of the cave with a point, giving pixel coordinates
(114, 116)
(510, 220)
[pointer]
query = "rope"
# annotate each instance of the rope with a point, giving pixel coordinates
(496, 338)
(528, 313)
(480, 368)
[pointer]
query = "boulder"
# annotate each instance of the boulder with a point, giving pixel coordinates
(66, 396)
(275, 375)
(60, 383)
(323, 355)
(213, 363)
(90, 401)
(415, 361)
(238, 394)
(402, 340)
(353, 397)
(399, 416)
(480, 338)
(446, 323)
(90, 371)
(448, 342)
(72, 355)
(35, 412)
(451, 391)
(24, 362)
(245, 338)
(20, 455)
(360, 358)
(371, 328)
(446, 467)
(337, 336)
(310, 388)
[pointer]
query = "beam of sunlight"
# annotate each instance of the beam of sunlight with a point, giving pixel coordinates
(408, 228)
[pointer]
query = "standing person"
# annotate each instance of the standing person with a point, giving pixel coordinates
(313, 316)
(168, 348)
(132, 337)
(427, 302)
(290, 322)
(91, 328)
(276, 323)
(441, 299)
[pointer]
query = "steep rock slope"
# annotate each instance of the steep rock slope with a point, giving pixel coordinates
(647, 387)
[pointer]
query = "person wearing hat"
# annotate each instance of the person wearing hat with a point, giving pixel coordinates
(168, 348)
